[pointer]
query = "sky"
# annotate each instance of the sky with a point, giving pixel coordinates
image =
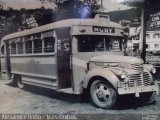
(109, 5)
(27, 4)
(112, 5)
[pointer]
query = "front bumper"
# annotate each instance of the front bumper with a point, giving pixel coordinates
(138, 89)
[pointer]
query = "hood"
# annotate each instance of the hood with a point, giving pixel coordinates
(116, 59)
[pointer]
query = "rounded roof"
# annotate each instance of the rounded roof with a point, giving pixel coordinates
(60, 24)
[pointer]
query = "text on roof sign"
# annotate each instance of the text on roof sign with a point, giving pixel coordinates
(103, 29)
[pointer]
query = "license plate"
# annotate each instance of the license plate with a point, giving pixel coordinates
(122, 85)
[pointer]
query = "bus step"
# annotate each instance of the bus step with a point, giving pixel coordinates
(66, 90)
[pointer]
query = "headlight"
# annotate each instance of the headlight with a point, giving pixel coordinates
(153, 70)
(123, 75)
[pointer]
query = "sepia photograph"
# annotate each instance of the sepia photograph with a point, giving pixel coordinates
(79, 60)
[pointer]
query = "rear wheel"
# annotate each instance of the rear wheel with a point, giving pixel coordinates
(103, 94)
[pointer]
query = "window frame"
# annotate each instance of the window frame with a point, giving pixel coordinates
(32, 39)
(46, 35)
(14, 51)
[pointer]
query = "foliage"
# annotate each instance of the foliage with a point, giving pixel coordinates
(74, 8)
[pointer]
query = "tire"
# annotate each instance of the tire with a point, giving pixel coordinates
(20, 83)
(103, 94)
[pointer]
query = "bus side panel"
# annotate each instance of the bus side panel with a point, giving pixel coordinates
(35, 69)
(63, 57)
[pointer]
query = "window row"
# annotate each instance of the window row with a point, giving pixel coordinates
(156, 35)
(33, 46)
(148, 46)
(99, 43)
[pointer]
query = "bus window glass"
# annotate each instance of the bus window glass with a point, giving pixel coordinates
(13, 48)
(113, 44)
(49, 44)
(38, 46)
(48, 34)
(27, 37)
(20, 47)
(90, 44)
(98, 43)
(28, 45)
(37, 36)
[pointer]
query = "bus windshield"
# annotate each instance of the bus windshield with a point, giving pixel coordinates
(99, 43)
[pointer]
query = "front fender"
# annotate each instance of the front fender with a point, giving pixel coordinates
(148, 67)
(105, 73)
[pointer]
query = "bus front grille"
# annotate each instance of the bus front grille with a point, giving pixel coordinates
(140, 79)
(146, 78)
(137, 67)
(135, 77)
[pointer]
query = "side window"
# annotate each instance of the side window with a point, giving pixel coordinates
(38, 46)
(147, 46)
(156, 45)
(49, 43)
(2, 50)
(37, 43)
(148, 36)
(157, 35)
(20, 47)
(28, 45)
(13, 48)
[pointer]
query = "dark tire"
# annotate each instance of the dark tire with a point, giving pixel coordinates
(20, 83)
(103, 94)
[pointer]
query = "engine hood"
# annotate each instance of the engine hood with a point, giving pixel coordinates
(116, 59)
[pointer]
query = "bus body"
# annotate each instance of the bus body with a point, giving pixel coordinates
(76, 54)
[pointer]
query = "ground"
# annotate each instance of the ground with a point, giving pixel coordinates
(37, 100)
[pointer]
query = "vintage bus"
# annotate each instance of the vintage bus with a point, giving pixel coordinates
(76, 55)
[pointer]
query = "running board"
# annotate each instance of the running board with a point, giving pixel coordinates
(66, 90)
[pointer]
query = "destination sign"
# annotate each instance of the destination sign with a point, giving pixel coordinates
(103, 29)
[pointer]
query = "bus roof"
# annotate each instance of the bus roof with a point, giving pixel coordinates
(61, 24)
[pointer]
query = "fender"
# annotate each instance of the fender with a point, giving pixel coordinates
(148, 67)
(101, 72)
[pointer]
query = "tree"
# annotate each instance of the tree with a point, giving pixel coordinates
(2, 5)
(74, 8)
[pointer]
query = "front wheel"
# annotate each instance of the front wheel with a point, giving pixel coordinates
(103, 94)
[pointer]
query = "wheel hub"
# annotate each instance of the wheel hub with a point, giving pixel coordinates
(102, 92)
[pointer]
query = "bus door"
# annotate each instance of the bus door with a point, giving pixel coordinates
(63, 57)
(7, 60)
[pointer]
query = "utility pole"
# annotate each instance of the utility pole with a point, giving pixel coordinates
(143, 31)
(101, 3)
(101, 6)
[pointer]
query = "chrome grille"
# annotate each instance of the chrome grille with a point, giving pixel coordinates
(137, 78)
(137, 67)
(146, 78)
(141, 79)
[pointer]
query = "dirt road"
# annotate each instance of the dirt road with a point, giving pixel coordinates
(38, 101)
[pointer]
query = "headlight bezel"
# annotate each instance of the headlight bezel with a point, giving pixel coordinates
(153, 70)
(123, 75)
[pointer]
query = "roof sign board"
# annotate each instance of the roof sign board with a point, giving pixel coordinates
(103, 29)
